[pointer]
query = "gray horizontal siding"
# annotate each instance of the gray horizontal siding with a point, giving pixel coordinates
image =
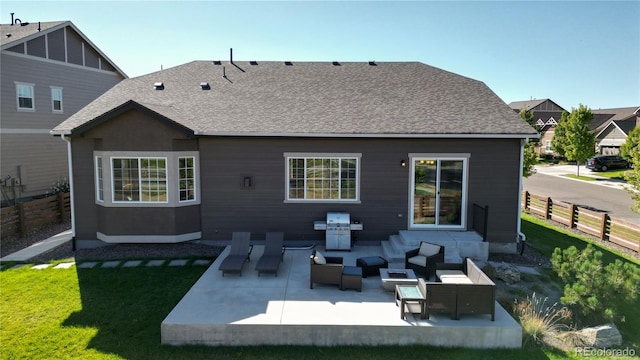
(41, 154)
(226, 206)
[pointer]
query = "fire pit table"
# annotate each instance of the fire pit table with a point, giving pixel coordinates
(392, 277)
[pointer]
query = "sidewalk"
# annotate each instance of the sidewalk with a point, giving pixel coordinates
(562, 170)
(39, 247)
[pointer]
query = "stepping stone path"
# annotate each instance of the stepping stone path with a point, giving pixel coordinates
(88, 265)
(132, 263)
(110, 264)
(66, 265)
(115, 264)
(41, 266)
(178, 262)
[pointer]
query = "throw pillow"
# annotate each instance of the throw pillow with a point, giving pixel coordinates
(319, 259)
(427, 249)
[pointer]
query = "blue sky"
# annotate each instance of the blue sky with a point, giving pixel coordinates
(573, 52)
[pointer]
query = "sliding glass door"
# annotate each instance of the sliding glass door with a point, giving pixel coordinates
(438, 187)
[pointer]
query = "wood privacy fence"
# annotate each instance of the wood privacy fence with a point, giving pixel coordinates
(595, 223)
(25, 218)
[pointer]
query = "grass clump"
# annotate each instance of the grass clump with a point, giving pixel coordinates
(538, 319)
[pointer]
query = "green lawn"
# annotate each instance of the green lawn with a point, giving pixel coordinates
(116, 314)
(612, 174)
(581, 177)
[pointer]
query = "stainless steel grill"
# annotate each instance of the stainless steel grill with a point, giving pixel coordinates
(338, 227)
(338, 235)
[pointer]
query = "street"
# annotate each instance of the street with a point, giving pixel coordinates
(548, 181)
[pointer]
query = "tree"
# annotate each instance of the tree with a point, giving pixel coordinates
(591, 286)
(575, 141)
(559, 138)
(630, 150)
(530, 156)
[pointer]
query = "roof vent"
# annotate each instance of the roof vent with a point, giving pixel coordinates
(373, 63)
(217, 62)
(205, 85)
(253, 62)
(335, 63)
(288, 63)
(158, 85)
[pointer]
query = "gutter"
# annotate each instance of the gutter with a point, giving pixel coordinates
(71, 192)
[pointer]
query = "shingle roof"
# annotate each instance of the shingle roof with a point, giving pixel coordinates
(16, 33)
(527, 104)
(314, 99)
(618, 113)
(13, 35)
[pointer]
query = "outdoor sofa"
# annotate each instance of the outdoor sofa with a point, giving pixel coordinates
(475, 292)
(465, 290)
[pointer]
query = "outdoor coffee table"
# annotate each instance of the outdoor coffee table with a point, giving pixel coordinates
(410, 300)
(392, 277)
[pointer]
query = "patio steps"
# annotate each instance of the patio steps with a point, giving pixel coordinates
(458, 245)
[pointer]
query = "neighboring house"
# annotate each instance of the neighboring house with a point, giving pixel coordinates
(207, 148)
(48, 71)
(547, 114)
(612, 133)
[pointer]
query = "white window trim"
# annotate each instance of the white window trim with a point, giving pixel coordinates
(139, 158)
(464, 157)
(195, 180)
(357, 156)
(53, 108)
(172, 177)
(33, 96)
(99, 176)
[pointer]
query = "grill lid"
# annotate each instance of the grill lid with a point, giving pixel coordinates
(338, 218)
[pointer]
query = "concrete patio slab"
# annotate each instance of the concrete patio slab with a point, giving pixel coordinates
(282, 310)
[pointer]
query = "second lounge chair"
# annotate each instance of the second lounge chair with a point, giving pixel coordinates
(270, 261)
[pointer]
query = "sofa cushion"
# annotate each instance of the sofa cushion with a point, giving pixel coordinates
(418, 260)
(427, 249)
(319, 259)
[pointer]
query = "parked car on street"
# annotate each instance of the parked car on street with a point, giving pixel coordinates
(606, 162)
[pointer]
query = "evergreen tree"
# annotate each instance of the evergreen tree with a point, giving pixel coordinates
(630, 150)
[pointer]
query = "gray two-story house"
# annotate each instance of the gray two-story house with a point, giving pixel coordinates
(204, 149)
(48, 71)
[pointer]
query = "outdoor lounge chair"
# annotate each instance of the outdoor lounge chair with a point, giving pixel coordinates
(270, 260)
(325, 269)
(238, 254)
(423, 260)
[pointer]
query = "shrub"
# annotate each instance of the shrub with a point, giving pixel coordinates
(591, 287)
(537, 319)
(59, 186)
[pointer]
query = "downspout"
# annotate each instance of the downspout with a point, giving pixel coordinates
(71, 193)
(521, 235)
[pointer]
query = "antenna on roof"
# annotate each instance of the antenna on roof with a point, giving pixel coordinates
(231, 55)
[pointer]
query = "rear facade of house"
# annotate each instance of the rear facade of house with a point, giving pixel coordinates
(202, 150)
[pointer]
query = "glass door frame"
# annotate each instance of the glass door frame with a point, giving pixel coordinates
(465, 181)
